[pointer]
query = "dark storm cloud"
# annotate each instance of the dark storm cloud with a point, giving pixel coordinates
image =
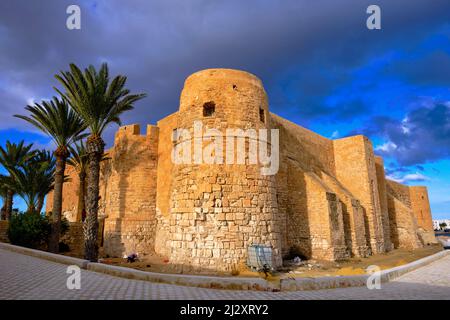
(422, 136)
(433, 69)
(420, 168)
(375, 127)
(158, 43)
(393, 170)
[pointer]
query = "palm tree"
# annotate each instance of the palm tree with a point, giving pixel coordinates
(33, 180)
(27, 183)
(64, 126)
(100, 102)
(11, 158)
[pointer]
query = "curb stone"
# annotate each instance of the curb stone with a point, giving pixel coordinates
(301, 284)
(230, 283)
(46, 255)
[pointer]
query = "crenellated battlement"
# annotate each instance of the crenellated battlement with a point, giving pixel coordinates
(135, 130)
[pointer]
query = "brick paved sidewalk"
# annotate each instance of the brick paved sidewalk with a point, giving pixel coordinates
(25, 277)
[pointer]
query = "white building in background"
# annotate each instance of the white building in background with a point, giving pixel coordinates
(436, 223)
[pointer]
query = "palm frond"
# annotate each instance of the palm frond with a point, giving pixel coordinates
(56, 119)
(96, 99)
(33, 179)
(15, 155)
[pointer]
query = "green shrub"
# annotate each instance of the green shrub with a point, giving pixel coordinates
(28, 230)
(32, 230)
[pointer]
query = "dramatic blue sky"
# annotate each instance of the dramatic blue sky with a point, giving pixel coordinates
(322, 68)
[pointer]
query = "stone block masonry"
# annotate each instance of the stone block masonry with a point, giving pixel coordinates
(408, 211)
(128, 192)
(329, 200)
(355, 169)
(74, 238)
(218, 211)
(420, 206)
(382, 192)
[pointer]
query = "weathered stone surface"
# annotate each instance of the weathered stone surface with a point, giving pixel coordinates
(403, 223)
(329, 199)
(355, 168)
(420, 205)
(70, 190)
(74, 237)
(381, 183)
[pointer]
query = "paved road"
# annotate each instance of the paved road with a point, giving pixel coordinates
(25, 277)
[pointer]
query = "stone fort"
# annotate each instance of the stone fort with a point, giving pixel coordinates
(329, 200)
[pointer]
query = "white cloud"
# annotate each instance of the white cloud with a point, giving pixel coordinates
(386, 147)
(335, 135)
(50, 145)
(404, 126)
(409, 177)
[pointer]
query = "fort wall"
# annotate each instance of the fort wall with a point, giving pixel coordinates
(421, 207)
(164, 183)
(329, 200)
(218, 211)
(70, 201)
(403, 223)
(311, 214)
(381, 184)
(314, 152)
(355, 168)
(128, 192)
(353, 218)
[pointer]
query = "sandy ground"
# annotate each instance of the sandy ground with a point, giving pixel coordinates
(309, 268)
(355, 266)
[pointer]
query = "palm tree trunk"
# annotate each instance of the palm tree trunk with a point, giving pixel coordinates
(95, 149)
(31, 209)
(57, 203)
(81, 195)
(40, 205)
(9, 204)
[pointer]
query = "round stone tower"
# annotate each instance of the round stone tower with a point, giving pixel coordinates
(221, 203)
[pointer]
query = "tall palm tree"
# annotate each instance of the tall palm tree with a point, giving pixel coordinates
(64, 126)
(100, 102)
(12, 157)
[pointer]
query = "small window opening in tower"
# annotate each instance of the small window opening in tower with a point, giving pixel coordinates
(234, 87)
(209, 108)
(175, 137)
(262, 115)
